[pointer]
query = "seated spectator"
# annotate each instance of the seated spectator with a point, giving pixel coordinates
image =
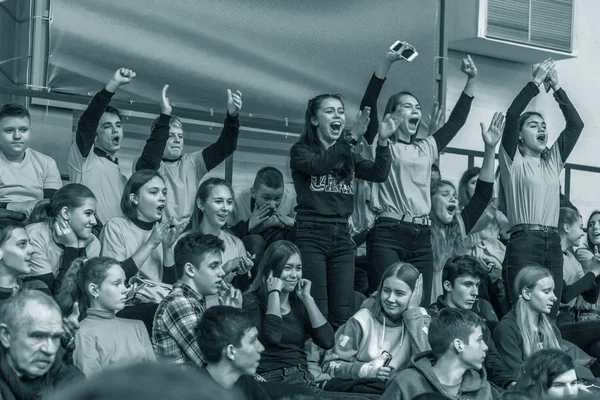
(60, 230)
(214, 203)
(391, 323)
(462, 277)
(152, 381)
(527, 328)
(280, 300)
(97, 286)
(266, 208)
(142, 239)
(92, 159)
(228, 338)
(549, 374)
(453, 367)
(16, 260)
(183, 172)
(30, 334)
(198, 264)
(27, 176)
(582, 289)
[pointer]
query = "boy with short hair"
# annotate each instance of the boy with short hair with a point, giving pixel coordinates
(228, 338)
(26, 176)
(461, 278)
(182, 172)
(198, 264)
(265, 208)
(453, 367)
(92, 160)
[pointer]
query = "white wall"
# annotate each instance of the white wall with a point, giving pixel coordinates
(499, 82)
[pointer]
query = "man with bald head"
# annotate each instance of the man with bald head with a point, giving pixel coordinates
(31, 327)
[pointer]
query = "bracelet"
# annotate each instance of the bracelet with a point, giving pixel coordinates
(274, 290)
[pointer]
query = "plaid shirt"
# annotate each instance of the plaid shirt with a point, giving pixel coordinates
(174, 328)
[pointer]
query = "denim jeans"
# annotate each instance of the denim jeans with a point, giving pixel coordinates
(327, 252)
(390, 241)
(301, 376)
(526, 248)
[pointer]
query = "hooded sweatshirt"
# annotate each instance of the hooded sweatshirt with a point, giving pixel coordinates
(420, 378)
(363, 338)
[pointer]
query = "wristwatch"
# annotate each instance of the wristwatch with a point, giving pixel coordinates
(348, 138)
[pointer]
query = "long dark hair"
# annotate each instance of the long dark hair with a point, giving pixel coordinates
(74, 287)
(274, 260)
(202, 194)
(391, 106)
(133, 186)
(541, 369)
(71, 196)
(587, 226)
(463, 186)
(344, 171)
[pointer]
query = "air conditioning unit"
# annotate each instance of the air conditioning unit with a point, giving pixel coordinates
(527, 31)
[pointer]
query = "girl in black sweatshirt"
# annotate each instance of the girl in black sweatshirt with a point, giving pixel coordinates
(323, 166)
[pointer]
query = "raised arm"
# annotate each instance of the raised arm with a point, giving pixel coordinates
(510, 137)
(378, 170)
(374, 89)
(485, 185)
(155, 145)
(88, 122)
(320, 330)
(226, 144)
(574, 125)
(459, 114)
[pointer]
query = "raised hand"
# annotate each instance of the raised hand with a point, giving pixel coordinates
(417, 294)
(71, 323)
(394, 56)
(387, 127)
(173, 234)
(361, 123)
(159, 232)
(492, 135)
(245, 263)
(64, 234)
(468, 67)
(541, 71)
(230, 296)
(121, 77)
(165, 105)
(303, 289)
(553, 78)
(436, 119)
(234, 102)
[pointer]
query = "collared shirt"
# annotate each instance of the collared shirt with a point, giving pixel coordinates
(175, 324)
(103, 154)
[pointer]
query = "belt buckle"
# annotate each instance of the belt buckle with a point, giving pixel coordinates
(545, 229)
(423, 220)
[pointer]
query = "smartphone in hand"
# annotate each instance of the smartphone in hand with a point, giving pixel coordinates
(409, 53)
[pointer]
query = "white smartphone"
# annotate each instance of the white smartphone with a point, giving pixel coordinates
(409, 53)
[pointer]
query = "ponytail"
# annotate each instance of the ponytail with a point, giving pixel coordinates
(81, 273)
(71, 196)
(72, 290)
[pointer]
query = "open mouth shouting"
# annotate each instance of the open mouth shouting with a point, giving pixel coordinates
(542, 138)
(413, 122)
(336, 127)
(451, 209)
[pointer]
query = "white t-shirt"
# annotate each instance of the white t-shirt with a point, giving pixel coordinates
(26, 180)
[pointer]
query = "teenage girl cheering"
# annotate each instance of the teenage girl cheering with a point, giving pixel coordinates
(323, 166)
(402, 230)
(530, 181)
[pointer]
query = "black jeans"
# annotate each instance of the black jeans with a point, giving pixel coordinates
(390, 241)
(584, 334)
(538, 248)
(327, 252)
